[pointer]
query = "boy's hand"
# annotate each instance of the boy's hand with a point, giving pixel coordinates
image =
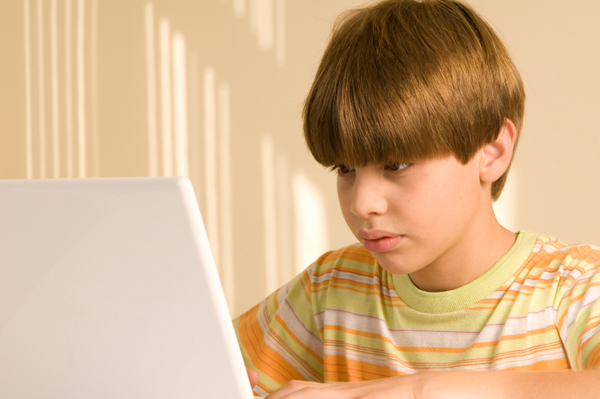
(455, 384)
(253, 377)
(401, 387)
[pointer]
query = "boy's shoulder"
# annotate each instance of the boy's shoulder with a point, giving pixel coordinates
(551, 251)
(351, 254)
(353, 258)
(559, 268)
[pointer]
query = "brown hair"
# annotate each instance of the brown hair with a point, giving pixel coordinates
(404, 80)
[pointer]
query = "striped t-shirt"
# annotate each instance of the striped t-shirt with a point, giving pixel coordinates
(347, 319)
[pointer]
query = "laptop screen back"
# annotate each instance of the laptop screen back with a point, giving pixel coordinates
(108, 290)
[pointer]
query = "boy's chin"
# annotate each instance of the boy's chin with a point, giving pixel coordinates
(394, 264)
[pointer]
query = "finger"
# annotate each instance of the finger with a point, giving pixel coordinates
(253, 377)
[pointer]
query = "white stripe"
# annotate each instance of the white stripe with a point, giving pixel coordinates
(239, 7)
(515, 325)
(151, 91)
(591, 295)
(210, 165)
(548, 275)
(41, 91)
(227, 267)
(195, 129)
(81, 122)
(321, 278)
(310, 219)
(93, 125)
(500, 294)
(554, 247)
(269, 216)
(527, 360)
(285, 258)
(400, 337)
(260, 391)
(309, 338)
(442, 338)
(590, 333)
(180, 105)
(28, 110)
(569, 320)
(55, 114)
(69, 92)
(265, 24)
(566, 273)
(166, 106)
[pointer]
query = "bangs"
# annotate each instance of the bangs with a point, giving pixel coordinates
(360, 139)
(369, 123)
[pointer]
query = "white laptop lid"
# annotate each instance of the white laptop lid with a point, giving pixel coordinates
(108, 289)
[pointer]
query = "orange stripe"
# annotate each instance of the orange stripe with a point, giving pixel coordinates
(593, 362)
(591, 324)
(343, 369)
(293, 336)
(544, 365)
(263, 357)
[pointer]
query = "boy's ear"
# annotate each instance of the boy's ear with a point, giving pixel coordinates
(496, 156)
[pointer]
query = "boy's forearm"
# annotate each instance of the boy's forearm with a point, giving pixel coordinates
(511, 384)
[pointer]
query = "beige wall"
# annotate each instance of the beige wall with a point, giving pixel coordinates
(213, 89)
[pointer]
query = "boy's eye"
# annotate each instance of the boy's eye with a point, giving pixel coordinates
(397, 166)
(342, 169)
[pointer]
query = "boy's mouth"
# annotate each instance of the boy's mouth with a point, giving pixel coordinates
(379, 241)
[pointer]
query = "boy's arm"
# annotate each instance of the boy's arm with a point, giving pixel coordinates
(456, 384)
(279, 339)
(512, 384)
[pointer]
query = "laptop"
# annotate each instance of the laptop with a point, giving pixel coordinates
(108, 289)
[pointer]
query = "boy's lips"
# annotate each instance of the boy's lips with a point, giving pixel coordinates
(379, 240)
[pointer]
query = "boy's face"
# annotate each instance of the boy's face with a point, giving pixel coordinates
(415, 216)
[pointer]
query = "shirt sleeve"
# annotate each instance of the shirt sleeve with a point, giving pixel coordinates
(578, 308)
(279, 337)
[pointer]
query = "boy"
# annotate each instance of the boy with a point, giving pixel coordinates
(418, 108)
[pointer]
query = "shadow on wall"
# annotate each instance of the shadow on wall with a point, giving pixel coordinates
(204, 87)
(188, 123)
(60, 40)
(170, 143)
(295, 219)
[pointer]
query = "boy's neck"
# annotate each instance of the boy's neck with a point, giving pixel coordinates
(479, 249)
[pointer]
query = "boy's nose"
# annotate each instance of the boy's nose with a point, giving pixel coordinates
(367, 199)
